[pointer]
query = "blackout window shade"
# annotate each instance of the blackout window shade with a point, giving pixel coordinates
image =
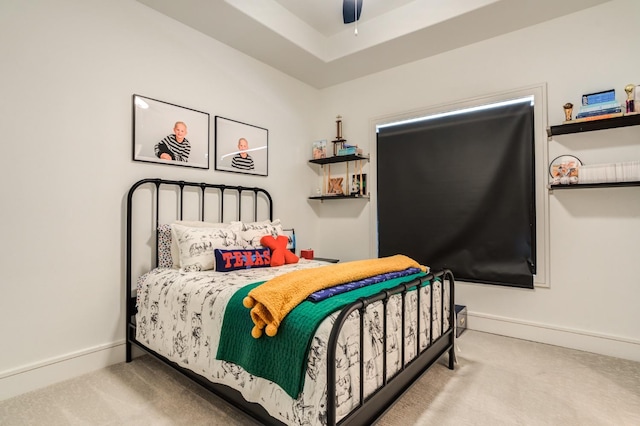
(458, 192)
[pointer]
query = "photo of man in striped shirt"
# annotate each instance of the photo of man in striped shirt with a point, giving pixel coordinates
(242, 160)
(174, 147)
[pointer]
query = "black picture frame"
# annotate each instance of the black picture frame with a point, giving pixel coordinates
(154, 128)
(228, 136)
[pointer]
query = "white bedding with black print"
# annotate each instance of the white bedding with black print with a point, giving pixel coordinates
(180, 315)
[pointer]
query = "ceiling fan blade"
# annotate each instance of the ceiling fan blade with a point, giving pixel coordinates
(349, 10)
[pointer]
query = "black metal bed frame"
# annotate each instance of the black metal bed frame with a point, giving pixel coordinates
(369, 408)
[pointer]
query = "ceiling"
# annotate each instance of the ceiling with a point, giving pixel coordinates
(307, 39)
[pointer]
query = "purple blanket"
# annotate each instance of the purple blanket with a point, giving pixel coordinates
(342, 288)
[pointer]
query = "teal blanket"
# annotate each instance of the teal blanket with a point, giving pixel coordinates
(283, 358)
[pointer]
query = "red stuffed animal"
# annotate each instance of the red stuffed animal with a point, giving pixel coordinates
(280, 254)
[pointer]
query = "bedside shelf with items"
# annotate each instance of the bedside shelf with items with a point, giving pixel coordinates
(590, 126)
(332, 188)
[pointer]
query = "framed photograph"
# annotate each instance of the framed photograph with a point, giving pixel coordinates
(335, 186)
(359, 184)
(241, 147)
(319, 149)
(165, 133)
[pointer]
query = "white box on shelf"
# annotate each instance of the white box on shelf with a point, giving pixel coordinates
(628, 171)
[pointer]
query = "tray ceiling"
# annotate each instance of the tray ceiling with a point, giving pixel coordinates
(307, 39)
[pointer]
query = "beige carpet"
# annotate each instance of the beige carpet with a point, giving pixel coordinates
(497, 381)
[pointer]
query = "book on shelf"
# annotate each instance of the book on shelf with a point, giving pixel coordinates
(600, 112)
(599, 97)
(600, 106)
(594, 117)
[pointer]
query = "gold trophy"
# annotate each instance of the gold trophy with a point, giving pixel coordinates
(629, 88)
(568, 110)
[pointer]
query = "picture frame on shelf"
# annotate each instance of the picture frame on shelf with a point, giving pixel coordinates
(241, 147)
(359, 184)
(166, 133)
(335, 186)
(319, 149)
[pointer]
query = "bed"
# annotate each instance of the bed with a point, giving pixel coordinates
(362, 350)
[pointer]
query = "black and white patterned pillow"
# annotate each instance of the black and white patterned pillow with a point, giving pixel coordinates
(252, 232)
(165, 259)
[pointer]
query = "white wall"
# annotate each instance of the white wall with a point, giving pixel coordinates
(69, 70)
(592, 302)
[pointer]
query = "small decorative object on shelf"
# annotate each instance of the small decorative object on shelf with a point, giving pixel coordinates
(347, 150)
(359, 184)
(338, 143)
(568, 111)
(335, 186)
(629, 89)
(564, 170)
(319, 149)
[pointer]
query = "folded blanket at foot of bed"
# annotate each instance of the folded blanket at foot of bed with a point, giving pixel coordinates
(320, 295)
(283, 358)
(272, 301)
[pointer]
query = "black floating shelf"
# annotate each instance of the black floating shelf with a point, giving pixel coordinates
(339, 159)
(595, 185)
(338, 197)
(588, 126)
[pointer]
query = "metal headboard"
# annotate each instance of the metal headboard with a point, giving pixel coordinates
(157, 186)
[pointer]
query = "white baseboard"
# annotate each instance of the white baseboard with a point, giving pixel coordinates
(45, 373)
(615, 346)
(38, 375)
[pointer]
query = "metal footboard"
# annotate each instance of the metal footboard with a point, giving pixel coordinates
(371, 407)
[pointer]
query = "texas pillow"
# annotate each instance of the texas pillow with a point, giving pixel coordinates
(232, 260)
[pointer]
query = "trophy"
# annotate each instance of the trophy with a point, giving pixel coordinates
(568, 110)
(629, 88)
(338, 143)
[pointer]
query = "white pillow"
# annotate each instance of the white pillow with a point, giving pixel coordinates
(175, 253)
(196, 246)
(252, 232)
